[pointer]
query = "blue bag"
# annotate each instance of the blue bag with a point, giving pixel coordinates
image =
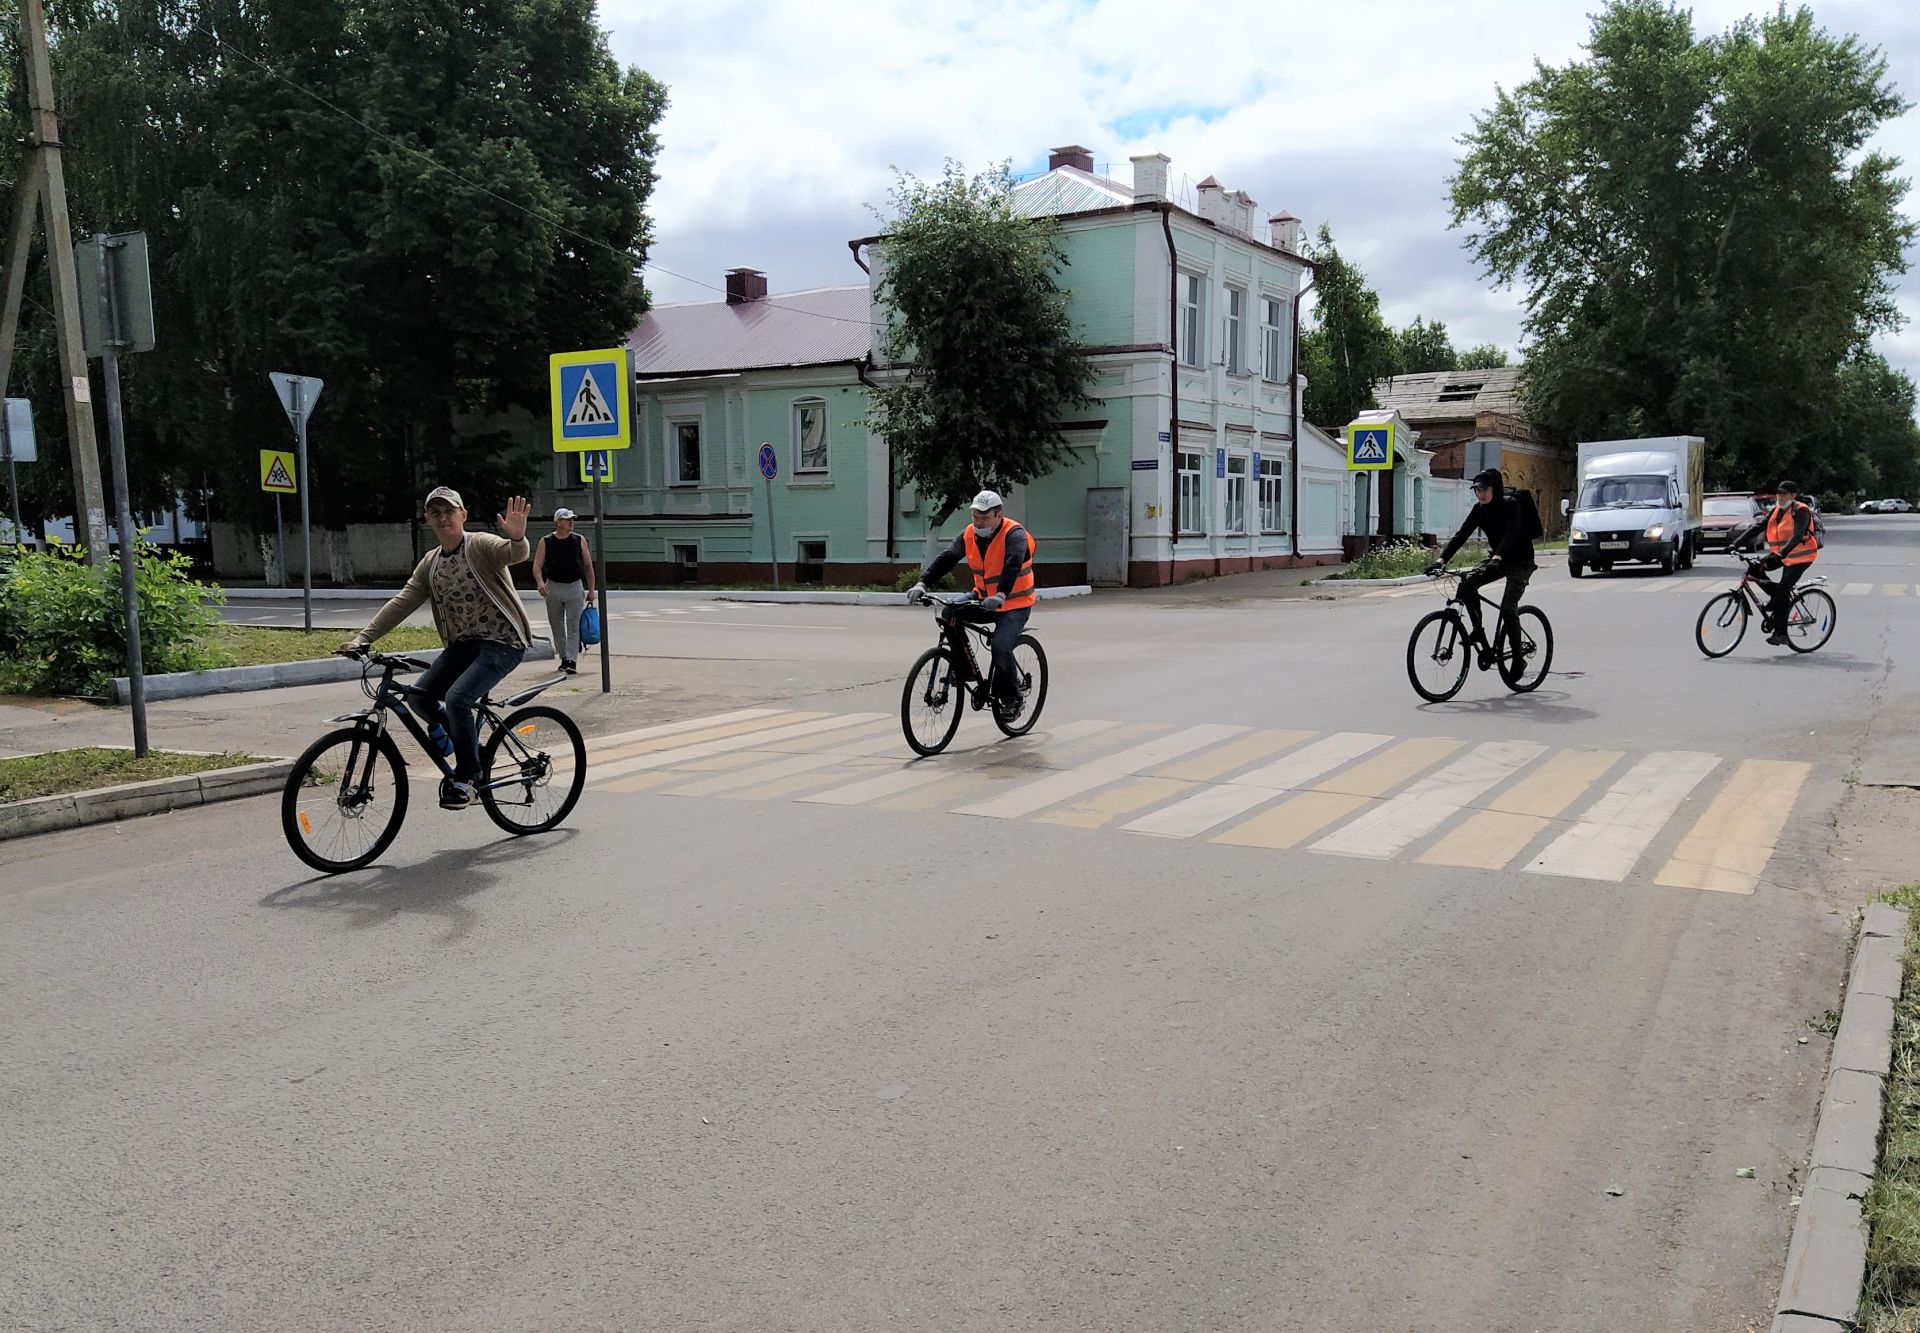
(590, 627)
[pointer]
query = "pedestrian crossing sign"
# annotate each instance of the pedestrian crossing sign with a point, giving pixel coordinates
(590, 403)
(277, 473)
(1370, 448)
(596, 465)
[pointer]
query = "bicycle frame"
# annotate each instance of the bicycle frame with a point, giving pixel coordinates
(953, 633)
(389, 694)
(1751, 576)
(1455, 598)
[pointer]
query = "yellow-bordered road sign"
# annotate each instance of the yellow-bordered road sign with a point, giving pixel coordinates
(277, 473)
(596, 465)
(589, 400)
(1370, 448)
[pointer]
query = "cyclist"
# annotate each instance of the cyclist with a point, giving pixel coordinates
(479, 617)
(1499, 516)
(1792, 547)
(1000, 553)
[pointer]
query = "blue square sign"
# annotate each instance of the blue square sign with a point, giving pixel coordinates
(1370, 448)
(589, 401)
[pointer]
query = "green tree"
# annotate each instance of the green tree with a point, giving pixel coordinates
(417, 200)
(979, 333)
(1349, 348)
(1426, 347)
(1483, 356)
(1703, 237)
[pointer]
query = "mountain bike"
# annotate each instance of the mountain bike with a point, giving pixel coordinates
(1441, 649)
(1811, 614)
(948, 675)
(346, 797)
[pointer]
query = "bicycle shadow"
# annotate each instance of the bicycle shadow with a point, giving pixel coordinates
(1544, 706)
(1807, 662)
(441, 885)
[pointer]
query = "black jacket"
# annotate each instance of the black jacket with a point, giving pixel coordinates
(1506, 529)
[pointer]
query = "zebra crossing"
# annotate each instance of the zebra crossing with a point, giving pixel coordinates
(1653, 585)
(1557, 812)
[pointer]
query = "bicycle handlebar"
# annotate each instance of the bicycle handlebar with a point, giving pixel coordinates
(375, 658)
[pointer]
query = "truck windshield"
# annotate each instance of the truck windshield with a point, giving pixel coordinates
(1624, 493)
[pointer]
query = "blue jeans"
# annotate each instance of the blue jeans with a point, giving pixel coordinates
(461, 677)
(1008, 626)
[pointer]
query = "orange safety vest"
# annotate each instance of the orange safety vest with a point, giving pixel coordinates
(988, 564)
(1780, 532)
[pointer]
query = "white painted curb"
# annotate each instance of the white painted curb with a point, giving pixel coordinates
(272, 676)
(18, 819)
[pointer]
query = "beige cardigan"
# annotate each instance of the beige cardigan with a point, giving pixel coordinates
(490, 557)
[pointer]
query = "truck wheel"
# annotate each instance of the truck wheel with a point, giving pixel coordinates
(1686, 551)
(1575, 568)
(1669, 558)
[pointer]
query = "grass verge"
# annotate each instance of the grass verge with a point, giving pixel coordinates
(1891, 1301)
(1402, 559)
(262, 645)
(63, 771)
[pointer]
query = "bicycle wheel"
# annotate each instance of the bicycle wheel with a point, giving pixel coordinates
(931, 702)
(338, 809)
(532, 770)
(1722, 624)
(1810, 620)
(1030, 665)
(1525, 669)
(1439, 656)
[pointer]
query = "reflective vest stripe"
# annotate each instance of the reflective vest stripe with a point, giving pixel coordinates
(1780, 532)
(987, 566)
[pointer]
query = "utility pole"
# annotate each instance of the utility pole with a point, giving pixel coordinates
(43, 188)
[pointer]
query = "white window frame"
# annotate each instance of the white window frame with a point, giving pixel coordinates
(826, 439)
(1236, 493)
(672, 449)
(1273, 493)
(1273, 339)
(1193, 497)
(1235, 331)
(1192, 333)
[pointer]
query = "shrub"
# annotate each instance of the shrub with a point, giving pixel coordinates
(68, 631)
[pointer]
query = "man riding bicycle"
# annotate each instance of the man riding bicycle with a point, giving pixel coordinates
(1500, 517)
(1000, 553)
(478, 615)
(1792, 547)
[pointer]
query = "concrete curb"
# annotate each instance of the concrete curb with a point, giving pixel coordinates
(874, 598)
(271, 676)
(681, 594)
(19, 819)
(1827, 1257)
(1543, 557)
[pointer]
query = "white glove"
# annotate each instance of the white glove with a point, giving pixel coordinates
(917, 592)
(992, 603)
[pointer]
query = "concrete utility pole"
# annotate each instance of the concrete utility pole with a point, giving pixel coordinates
(43, 183)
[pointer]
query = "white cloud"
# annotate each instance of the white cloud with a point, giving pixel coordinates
(787, 118)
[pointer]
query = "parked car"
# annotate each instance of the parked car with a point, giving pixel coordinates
(1732, 522)
(1895, 505)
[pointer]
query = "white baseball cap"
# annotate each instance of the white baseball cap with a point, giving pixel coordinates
(988, 500)
(559, 514)
(447, 495)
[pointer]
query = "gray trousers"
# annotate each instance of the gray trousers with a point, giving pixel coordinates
(565, 602)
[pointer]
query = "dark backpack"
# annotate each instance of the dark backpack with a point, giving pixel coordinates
(1529, 514)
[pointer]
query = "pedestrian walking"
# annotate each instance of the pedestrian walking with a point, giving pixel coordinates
(563, 572)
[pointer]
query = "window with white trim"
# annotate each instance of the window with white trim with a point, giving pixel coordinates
(683, 451)
(1236, 493)
(1273, 494)
(1193, 310)
(1236, 330)
(810, 435)
(1192, 518)
(1273, 339)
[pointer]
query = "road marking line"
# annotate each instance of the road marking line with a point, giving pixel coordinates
(638, 782)
(1658, 583)
(705, 734)
(1391, 827)
(1302, 766)
(1213, 806)
(1896, 589)
(674, 728)
(1606, 841)
(1728, 850)
(753, 740)
(913, 774)
(1293, 821)
(722, 763)
(1057, 787)
(1855, 589)
(1236, 754)
(1103, 807)
(794, 784)
(774, 764)
(1556, 784)
(1382, 773)
(1486, 841)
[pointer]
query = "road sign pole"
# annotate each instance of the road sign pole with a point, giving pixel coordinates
(305, 478)
(606, 617)
(13, 472)
(122, 505)
(280, 541)
(773, 542)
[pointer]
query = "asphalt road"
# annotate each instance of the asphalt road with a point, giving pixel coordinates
(811, 1048)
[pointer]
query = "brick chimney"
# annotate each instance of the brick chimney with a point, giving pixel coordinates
(1286, 232)
(1213, 201)
(745, 285)
(1072, 155)
(1150, 178)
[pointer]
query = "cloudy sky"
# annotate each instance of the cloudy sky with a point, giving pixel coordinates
(788, 117)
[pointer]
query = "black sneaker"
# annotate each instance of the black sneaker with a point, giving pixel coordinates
(571, 667)
(455, 795)
(1006, 709)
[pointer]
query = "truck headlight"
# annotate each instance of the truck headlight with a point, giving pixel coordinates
(1656, 532)
(1579, 534)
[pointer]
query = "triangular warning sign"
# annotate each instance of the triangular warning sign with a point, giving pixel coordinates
(277, 478)
(589, 408)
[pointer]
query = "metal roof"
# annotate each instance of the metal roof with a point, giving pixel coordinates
(1453, 395)
(1068, 190)
(811, 328)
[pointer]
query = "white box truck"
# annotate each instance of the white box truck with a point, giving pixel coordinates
(1639, 501)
